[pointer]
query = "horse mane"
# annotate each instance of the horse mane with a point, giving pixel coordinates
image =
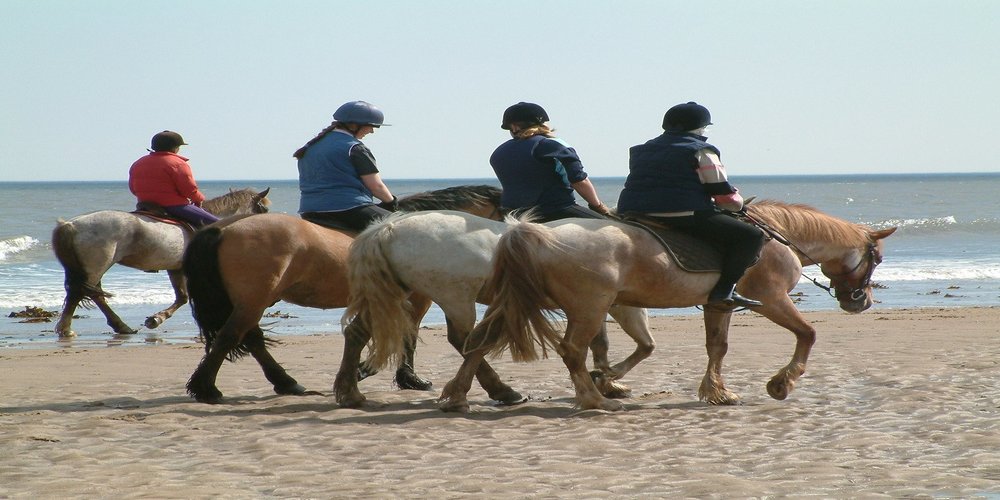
(800, 219)
(451, 198)
(232, 201)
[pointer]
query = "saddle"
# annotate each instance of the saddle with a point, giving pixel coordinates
(156, 211)
(691, 254)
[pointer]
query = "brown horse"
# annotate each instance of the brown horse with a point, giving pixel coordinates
(586, 267)
(237, 269)
(88, 245)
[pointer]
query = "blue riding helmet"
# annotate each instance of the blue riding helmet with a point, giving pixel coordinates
(360, 112)
(687, 116)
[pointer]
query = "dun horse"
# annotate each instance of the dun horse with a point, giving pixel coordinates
(586, 267)
(445, 256)
(237, 269)
(88, 245)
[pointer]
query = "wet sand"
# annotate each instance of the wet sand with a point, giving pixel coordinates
(895, 402)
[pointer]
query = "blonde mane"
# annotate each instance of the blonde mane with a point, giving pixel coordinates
(798, 221)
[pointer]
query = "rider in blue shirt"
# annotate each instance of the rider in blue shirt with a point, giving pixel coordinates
(539, 171)
(338, 178)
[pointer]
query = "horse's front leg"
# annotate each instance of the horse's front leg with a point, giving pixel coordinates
(784, 313)
(345, 387)
(712, 388)
(179, 284)
(573, 349)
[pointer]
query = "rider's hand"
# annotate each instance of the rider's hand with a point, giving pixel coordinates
(601, 209)
(392, 205)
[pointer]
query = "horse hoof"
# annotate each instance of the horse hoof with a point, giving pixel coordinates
(608, 387)
(406, 379)
(152, 322)
(291, 390)
(351, 401)
(450, 406)
(212, 399)
(508, 398)
(777, 390)
(67, 334)
(125, 330)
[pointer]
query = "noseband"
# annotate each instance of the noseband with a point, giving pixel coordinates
(858, 292)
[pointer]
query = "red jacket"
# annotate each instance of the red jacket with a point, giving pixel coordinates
(164, 178)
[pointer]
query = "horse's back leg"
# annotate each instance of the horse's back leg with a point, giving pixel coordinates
(115, 322)
(406, 376)
(64, 328)
(178, 282)
(283, 382)
(713, 389)
(580, 331)
(202, 385)
(460, 322)
(345, 386)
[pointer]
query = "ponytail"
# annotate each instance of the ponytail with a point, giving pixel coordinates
(299, 153)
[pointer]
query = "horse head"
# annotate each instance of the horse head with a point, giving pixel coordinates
(851, 279)
(261, 202)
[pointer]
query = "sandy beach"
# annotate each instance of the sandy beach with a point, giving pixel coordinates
(895, 403)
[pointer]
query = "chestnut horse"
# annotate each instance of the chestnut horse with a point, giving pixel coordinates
(238, 268)
(586, 267)
(445, 256)
(88, 245)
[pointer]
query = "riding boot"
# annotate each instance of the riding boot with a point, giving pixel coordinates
(724, 294)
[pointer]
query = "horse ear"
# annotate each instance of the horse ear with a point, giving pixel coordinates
(878, 235)
(263, 194)
(749, 200)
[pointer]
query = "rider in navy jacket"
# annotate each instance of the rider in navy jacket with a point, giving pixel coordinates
(678, 179)
(540, 172)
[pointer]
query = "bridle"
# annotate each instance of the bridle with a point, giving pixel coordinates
(857, 293)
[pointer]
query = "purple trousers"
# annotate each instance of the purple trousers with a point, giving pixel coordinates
(192, 213)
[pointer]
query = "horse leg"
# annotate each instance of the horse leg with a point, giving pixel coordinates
(488, 378)
(345, 386)
(635, 324)
(64, 328)
(283, 382)
(114, 321)
(177, 281)
(573, 349)
(782, 311)
(454, 397)
(406, 376)
(201, 386)
(601, 374)
(712, 388)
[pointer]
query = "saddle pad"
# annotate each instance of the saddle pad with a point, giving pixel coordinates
(162, 217)
(690, 253)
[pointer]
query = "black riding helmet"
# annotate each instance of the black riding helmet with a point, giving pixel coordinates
(687, 116)
(524, 112)
(166, 141)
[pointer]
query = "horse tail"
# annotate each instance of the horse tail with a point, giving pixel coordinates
(516, 319)
(378, 298)
(210, 303)
(75, 283)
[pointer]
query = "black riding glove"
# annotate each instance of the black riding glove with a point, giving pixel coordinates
(392, 205)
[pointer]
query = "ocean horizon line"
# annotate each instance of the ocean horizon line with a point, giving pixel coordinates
(796, 177)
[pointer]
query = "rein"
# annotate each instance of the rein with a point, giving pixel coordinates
(855, 293)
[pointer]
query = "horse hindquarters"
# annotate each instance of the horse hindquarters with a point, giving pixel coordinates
(75, 283)
(210, 303)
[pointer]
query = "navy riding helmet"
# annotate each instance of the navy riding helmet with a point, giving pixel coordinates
(524, 112)
(687, 116)
(360, 112)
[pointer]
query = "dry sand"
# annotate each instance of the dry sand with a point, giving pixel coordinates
(900, 403)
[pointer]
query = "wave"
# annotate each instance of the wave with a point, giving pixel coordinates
(11, 247)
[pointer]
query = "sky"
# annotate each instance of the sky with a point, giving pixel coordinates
(794, 87)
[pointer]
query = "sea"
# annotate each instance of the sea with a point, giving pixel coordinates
(946, 252)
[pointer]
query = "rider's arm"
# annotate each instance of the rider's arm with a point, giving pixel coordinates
(565, 157)
(713, 178)
(364, 165)
(185, 185)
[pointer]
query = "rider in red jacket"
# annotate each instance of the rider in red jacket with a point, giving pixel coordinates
(164, 177)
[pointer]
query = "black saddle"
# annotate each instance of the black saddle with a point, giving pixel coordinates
(690, 253)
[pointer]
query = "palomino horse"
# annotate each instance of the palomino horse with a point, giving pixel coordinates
(585, 267)
(445, 256)
(88, 245)
(237, 269)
